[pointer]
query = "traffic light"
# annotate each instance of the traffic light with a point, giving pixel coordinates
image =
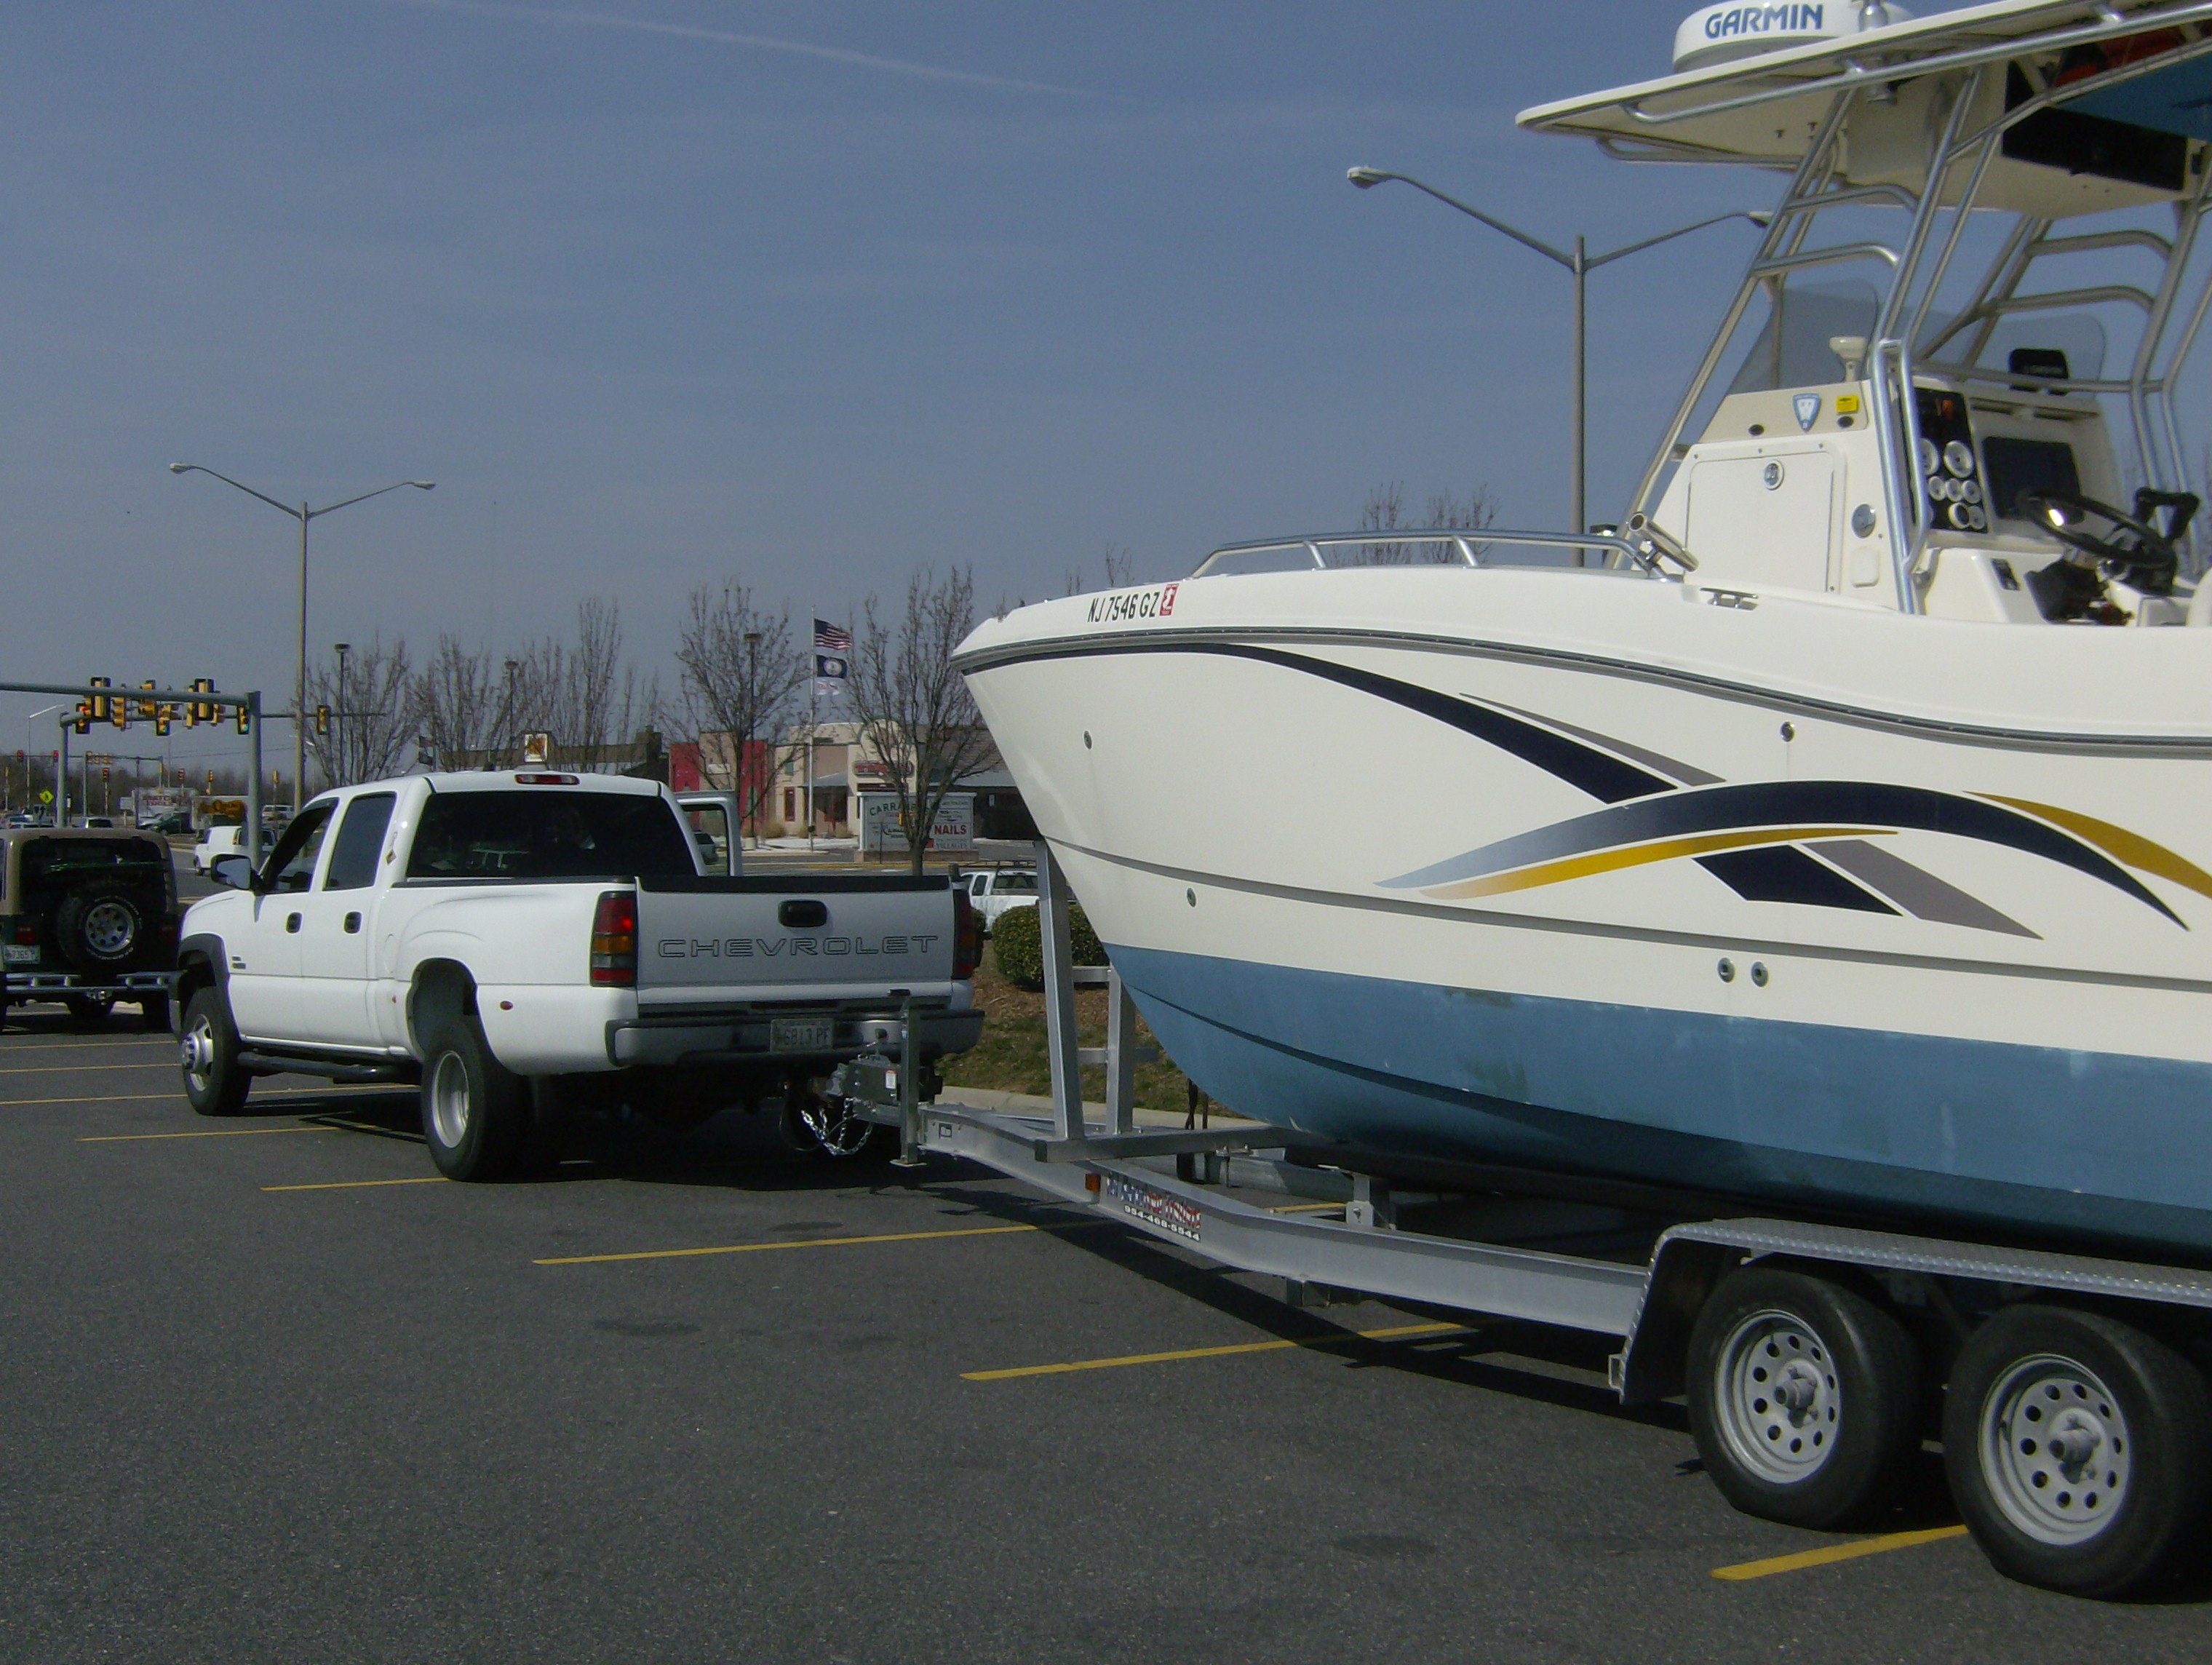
(148, 708)
(99, 702)
(206, 710)
(245, 719)
(162, 712)
(322, 720)
(83, 721)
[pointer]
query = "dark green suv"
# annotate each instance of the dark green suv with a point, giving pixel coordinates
(88, 917)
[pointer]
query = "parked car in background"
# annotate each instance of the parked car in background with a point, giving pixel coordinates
(214, 841)
(993, 892)
(88, 917)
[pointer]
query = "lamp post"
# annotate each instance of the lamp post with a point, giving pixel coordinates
(303, 515)
(30, 745)
(745, 748)
(1579, 264)
(337, 717)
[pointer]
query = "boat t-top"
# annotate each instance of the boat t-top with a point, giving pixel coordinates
(1833, 834)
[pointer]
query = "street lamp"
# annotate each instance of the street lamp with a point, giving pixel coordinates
(303, 515)
(337, 717)
(745, 758)
(1580, 263)
(30, 745)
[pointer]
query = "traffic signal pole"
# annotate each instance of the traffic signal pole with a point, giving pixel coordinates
(208, 697)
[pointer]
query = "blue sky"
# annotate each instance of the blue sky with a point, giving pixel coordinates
(660, 291)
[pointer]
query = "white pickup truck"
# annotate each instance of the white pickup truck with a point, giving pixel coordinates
(524, 944)
(996, 891)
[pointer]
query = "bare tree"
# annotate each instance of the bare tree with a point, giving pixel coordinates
(1384, 512)
(1118, 565)
(743, 673)
(582, 693)
(913, 709)
(373, 711)
(458, 702)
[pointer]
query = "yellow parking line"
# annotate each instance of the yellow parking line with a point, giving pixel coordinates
(356, 1184)
(1181, 1354)
(259, 1098)
(87, 1069)
(1849, 1551)
(802, 1243)
(208, 1133)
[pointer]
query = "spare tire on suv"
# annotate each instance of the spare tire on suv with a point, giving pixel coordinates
(101, 926)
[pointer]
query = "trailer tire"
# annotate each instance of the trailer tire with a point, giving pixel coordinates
(208, 1052)
(1804, 1398)
(476, 1112)
(2108, 1514)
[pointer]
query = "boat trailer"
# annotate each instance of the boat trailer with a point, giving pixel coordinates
(1194, 1189)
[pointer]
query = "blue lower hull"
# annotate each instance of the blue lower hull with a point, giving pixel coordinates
(2011, 1140)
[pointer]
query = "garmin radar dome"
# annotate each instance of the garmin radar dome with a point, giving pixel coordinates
(1739, 28)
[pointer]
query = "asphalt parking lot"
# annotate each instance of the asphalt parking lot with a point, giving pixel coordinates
(272, 1391)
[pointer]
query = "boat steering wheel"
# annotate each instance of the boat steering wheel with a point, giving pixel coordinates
(2128, 547)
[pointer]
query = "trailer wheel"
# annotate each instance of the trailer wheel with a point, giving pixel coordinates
(476, 1113)
(1804, 1398)
(2079, 1449)
(208, 1053)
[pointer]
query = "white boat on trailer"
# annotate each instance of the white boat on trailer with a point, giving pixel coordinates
(1833, 838)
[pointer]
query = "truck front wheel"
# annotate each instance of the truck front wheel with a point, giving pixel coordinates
(208, 1050)
(476, 1113)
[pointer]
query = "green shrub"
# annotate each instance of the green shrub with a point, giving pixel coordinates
(1017, 942)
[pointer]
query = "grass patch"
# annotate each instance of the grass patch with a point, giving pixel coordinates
(1011, 1056)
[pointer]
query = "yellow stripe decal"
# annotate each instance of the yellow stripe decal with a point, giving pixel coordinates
(1636, 856)
(2132, 848)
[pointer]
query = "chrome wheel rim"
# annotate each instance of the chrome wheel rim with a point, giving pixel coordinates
(2056, 1450)
(196, 1052)
(1776, 1390)
(449, 1101)
(110, 927)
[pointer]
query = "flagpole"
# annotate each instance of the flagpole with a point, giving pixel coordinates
(813, 687)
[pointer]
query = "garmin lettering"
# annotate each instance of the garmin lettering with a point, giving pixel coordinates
(1157, 601)
(1794, 19)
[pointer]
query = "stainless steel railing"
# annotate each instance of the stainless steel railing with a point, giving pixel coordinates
(1467, 548)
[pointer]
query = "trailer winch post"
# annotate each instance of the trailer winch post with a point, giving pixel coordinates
(909, 1154)
(1059, 969)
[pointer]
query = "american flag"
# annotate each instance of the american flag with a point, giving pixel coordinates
(833, 648)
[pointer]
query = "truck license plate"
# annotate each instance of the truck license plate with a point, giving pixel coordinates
(801, 1034)
(19, 954)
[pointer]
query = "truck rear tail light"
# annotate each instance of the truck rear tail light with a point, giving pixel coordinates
(614, 941)
(25, 931)
(967, 936)
(545, 780)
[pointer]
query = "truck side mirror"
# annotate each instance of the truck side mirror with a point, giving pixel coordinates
(233, 872)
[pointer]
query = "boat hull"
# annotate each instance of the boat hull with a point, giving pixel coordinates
(1592, 874)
